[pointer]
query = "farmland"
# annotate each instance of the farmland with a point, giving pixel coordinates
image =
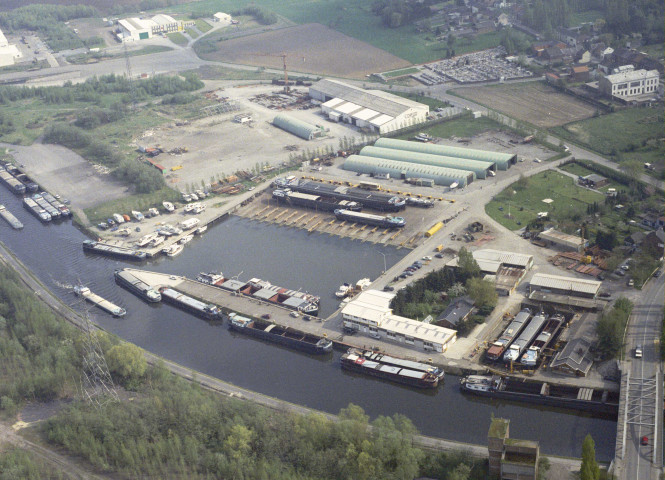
(310, 48)
(532, 102)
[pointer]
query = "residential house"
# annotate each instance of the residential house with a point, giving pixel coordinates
(580, 73)
(458, 311)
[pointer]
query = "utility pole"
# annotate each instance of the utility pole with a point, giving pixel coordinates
(130, 77)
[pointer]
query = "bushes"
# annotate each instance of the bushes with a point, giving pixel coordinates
(144, 178)
(88, 146)
(260, 15)
(611, 327)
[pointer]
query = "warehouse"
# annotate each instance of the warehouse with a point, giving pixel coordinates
(564, 285)
(375, 110)
(505, 269)
(479, 168)
(563, 240)
(370, 313)
(8, 53)
(135, 29)
(397, 169)
(298, 127)
(503, 161)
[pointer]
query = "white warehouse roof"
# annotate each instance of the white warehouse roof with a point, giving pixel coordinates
(563, 238)
(423, 331)
(543, 280)
(507, 258)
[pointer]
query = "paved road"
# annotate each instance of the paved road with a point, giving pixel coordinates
(644, 412)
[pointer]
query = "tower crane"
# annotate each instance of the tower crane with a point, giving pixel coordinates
(283, 57)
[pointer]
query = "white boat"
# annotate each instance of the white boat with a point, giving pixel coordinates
(194, 197)
(186, 239)
(173, 250)
(200, 193)
(146, 239)
(168, 206)
(198, 209)
(153, 211)
(124, 232)
(454, 185)
(190, 206)
(118, 218)
(201, 230)
(137, 215)
(95, 299)
(157, 241)
(343, 290)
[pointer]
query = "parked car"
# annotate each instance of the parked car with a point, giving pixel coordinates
(657, 273)
(294, 314)
(388, 288)
(103, 226)
(644, 440)
(439, 255)
(638, 351)
(266, 316)
(630, 282)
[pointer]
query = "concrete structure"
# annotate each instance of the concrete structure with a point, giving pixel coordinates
(8, 53)
(297, 127)
(510, 459)
(222, 18)
(503, 161)
(403, 170)
(458, 311)
(375, 110)
(475, 166)
(505, 269)
(563, 240)
(556, 284)
(370, 314)
(630, 83)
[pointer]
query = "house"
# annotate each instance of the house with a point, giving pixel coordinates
(552, 78)
(583, 56)
(223, 18)
(458, 311)
(575, 358)
(580, 73)
(655, 241)
(503, 20)
(649, 220)
(635, 239)
(594, 180)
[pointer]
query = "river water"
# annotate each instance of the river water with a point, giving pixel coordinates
(290, 258)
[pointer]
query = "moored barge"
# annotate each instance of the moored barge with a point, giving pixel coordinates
(113, 250)
(138, 287)
(286, 336)
(317, 202)
(369, 219)
(206, 311)
(36, 210)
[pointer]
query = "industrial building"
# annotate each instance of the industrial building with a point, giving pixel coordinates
(222, 18)
(510, 458)
(503, 161)
(481, 169)
(370, 313)
(397, 169)
(505, 269)
(134, 29)
(570, 286)
(298, 127)
(563, 240)
(375, 110)
(630, 83)
(8, 53)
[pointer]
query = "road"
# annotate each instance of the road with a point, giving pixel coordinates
(644, 412)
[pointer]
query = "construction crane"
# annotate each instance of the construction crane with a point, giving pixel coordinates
(283, 57)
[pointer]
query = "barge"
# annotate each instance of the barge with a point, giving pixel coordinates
(530, 357)
(355, 361)
(64, 211)
(30, 205)
(369, 219)
(368, 199)
(113, 250)
(14, 222)
(95, 299)
(402, 362)
(206, 311)
(55, 214)
(518, 347)
(317, 202)
(286, 336)
(138, 287)
(542, 393)
(509, 334)
(14, 185)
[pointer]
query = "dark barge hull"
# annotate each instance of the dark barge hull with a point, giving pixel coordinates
(374, 200)
(123, 282)
(113, 251)
(285, 336)
(412, 382)
(189, 308)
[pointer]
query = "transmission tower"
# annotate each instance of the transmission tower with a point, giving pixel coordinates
(130, 77)
(96, 382)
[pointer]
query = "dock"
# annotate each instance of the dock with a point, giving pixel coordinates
(100, 302)
(11, 219)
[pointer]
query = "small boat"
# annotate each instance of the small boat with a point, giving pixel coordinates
(124, 232)
(168, 206)
(190, 206)
(198, 209)
(201, 230)
(137, 215)
(153, 211)
(173, 250)
(157, 241)
(118, 218)
(186, 239)
(146, 239)
(454, 185)
(343, 290)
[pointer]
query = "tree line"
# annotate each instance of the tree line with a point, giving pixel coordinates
(610, 328)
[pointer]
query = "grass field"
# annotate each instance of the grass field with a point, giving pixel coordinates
(465, 126)
(140, 202)
(202, 25)
(584, 17)
(432, 103)
(178, 38)
(580, 171)
(400, 72)
(524, 204)
(193, 32)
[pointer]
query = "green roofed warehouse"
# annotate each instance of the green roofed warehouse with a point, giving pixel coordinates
(298, 127)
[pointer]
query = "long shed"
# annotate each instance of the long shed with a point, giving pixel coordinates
(503, 160)
(475, 166)
(440, 175)
(297, 127)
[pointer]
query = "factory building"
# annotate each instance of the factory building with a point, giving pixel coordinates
(479, 168)
(630, 83)
(298, 127)
(8, 53)
(375, 110)
(369, 313)
(134, 29)
(222, 18)
(397, 169)
(570, 286)
(503, 161)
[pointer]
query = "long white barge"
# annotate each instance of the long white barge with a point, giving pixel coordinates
(95, 299)
(11, 219)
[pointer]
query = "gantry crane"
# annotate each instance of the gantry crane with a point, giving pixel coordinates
(283, 57)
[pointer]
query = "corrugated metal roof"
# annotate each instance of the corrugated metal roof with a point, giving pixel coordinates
(508, 258)
(334, 102)
(295, 126)
(381, 120)
(544, 280)
(295, 302)
(265, 294)
(348, 108)
(382, 102)
(564, 238)
(233, 284)
(479, 168)
(365, 114)
(440, 175)
(415, 329)
(503, 160)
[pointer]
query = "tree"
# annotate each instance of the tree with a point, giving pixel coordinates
(483, 292)
(467, 266)
(590, 469)
(127, 361)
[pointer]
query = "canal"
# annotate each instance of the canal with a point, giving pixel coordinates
(294, 259)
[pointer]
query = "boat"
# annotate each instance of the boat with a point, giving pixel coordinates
(354, 360)
(138, 287)
(138, 216)
(518, 347)
(186, 239)
(210, 278)
(14, 185)
(124, 232)
(157, 241)
(168, 230)
(153, 212)
(286, 336)
(168, 206)
(199, 209)
(454, 185)
(381, 221)
(402, 362)
(343, 290)
(30, 186)
(95, 299)
(368, 199)
(509, 334)
(317, 202)
(36, 210)
(190, 206)
(11, 219)
(113, 250)
(190, 304)
(55, 214)
(530, 357)
(419, 202)
(173, 250)
(201, 230)
(146, 239)
(55, 203)
(598, 401)
(189, 223)
(118, 218)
